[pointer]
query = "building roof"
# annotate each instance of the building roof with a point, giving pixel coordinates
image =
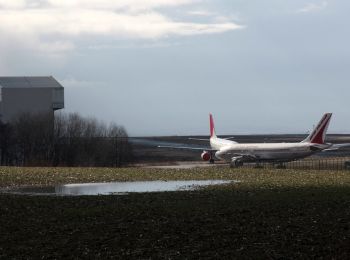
(29, 82)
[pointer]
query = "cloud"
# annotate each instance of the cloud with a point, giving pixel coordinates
(201, 13)
(312, 7)
(130, 5)
(58, 25)
(94, 4)
(71, 82)
(12, 3)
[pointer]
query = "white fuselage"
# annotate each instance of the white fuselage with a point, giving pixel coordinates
(228, 150)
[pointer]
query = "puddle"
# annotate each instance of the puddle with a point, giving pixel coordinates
(115, 188)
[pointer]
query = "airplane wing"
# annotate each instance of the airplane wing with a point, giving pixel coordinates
(188, 148)
(200, 139)
(244, 156)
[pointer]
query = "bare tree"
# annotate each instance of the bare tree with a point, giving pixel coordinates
(67, 140)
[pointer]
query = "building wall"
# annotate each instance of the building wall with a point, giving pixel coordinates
(0, 103)
(26, 100)
(57, 98)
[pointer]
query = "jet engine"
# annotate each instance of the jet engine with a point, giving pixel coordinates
(206, 156)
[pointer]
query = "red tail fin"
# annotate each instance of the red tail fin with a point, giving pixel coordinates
(318, 135)
(212, 127)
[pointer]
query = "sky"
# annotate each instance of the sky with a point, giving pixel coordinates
(159, 67)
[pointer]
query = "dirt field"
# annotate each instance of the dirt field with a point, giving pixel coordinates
(269, 214)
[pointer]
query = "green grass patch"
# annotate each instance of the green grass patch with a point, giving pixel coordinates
(255, 178)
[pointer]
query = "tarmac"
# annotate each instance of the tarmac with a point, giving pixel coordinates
(182, 165)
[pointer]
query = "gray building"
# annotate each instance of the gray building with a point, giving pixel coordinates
(29, 95)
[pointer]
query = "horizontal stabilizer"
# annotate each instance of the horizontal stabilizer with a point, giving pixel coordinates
(340, 145)
(335, 147)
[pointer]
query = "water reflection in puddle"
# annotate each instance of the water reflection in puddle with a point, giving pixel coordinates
(117, 188)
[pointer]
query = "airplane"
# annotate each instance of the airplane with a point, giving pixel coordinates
(239, 153)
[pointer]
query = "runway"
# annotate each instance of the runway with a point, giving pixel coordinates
(183, 165)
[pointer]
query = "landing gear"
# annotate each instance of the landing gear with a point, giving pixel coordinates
(211, 161)
(235, 163)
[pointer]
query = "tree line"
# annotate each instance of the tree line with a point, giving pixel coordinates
(63, 140)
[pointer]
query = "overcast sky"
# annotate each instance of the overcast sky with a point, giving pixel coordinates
(158, 67)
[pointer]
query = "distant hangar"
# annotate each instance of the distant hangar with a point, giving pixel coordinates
(31, 95)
